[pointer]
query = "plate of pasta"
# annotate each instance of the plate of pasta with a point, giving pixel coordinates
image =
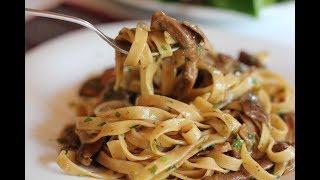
(184, 103)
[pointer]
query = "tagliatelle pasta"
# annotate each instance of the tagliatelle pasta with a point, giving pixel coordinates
(190, 113)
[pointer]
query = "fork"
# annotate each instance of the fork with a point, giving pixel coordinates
(123, 48)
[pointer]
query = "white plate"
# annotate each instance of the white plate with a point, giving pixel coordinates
(54, 71)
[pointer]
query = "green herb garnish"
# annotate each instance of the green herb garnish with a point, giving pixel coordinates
(153, 169)
(88, 119)
(118, 114)
(199, 49)
(102, 124)
(171, 167)
(163, 47)
(237, 143)
(163, 159)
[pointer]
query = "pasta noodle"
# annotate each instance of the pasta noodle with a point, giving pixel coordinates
(190, 113)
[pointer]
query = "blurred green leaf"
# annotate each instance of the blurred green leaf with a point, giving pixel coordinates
(268, 2)
(251, 7)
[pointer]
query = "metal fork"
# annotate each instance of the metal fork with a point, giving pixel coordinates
(123, 48)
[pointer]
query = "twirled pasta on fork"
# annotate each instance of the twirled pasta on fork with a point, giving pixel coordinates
(192, 113)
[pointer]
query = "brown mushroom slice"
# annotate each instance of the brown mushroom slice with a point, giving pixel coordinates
(289, 119)
(91, 88)
(186, 80)
(204, 79)
(187, 44)
(68, 139)
(249, 59)
(280, 146)
(256, 153)
(87, 151)
(224, 63)
(254, 111)
(197, 30)
(222, 147)
(107, 76)
(180, 33)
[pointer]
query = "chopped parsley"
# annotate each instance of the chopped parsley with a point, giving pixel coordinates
(237, 143)
(163, 47)
(163, 159)
(118, 114)
(134, 126)
(102, 124)
(171, 167)
(88, 119)
(153, 169)
(199, 49)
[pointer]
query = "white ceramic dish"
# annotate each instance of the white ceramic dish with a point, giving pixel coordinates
(54, 71)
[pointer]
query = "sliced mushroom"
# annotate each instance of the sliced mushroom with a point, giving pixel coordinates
(68, 139)
(180, 33)
(187, 42)
(249, 59)
(289, 119)
(87, 151)
(254, 111)
(280, 146)
(107, 76)
(204, 79)
(186, 80)
(222, 147)
(198, 31)
(91, 88)
(224, 63)
(256, 153)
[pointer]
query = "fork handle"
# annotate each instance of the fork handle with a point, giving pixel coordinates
(76, 20)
